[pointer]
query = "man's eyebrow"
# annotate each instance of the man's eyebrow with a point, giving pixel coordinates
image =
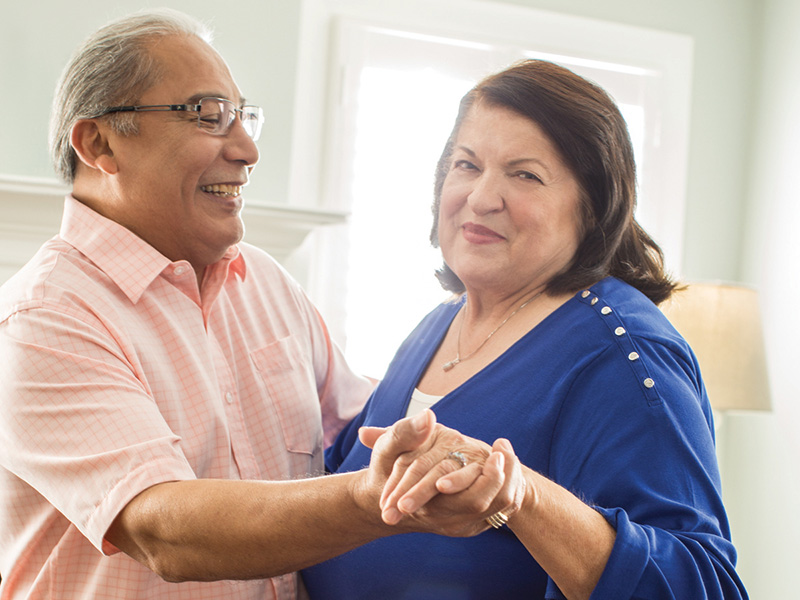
(197, 97)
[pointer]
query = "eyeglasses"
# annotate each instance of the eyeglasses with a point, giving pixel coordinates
(214, 115)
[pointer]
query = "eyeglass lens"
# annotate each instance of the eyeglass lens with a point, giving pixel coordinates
(217, 115)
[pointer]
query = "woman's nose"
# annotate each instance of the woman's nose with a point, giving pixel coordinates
(486, 194)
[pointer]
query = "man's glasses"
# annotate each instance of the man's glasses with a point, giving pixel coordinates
(214, 115)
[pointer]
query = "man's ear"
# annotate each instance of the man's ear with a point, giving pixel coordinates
(91, 143)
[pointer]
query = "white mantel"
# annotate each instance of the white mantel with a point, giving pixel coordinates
(30, 214)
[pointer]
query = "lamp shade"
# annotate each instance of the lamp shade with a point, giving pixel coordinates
(722, 324)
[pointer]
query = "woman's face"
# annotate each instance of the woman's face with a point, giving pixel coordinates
(509, 217)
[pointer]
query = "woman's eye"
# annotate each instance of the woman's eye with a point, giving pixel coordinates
(528, 175)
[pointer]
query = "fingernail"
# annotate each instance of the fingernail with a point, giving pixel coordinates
(392, 516)
(407, 505)
(419, 421)
(444, 485)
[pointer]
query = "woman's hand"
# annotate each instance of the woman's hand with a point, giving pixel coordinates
(451, 484)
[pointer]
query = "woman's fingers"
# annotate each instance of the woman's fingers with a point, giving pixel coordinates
(449, 451)
(426, 488)
(460, 502)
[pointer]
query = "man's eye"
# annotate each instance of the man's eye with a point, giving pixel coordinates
(463, 164)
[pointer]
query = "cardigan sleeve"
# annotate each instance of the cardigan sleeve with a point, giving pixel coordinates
(647, 463)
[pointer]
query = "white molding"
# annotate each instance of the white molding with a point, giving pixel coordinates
(31, 208)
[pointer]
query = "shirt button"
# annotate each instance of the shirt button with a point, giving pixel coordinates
(619, 331)
(633, 356)
(585, 293)
(648, 383)
(606, 310)
(229, 398)
(180, 270)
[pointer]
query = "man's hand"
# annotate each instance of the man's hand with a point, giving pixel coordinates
(428, 489)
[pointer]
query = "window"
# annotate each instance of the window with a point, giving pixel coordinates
(394, 92)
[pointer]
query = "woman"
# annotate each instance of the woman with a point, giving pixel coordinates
(556, 344)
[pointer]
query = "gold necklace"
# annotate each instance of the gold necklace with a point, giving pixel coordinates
(449, 365)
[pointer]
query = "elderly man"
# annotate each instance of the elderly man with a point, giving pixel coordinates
(164, 387)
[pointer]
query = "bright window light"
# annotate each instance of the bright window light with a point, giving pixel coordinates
(391, 263)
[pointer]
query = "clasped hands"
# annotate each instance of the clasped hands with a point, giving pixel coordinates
(435, 479)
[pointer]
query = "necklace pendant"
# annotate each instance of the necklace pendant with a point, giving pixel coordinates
(449, 365)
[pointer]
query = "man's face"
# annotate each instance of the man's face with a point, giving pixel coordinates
(177, 186)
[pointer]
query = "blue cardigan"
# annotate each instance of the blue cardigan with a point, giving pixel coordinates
(603, 397)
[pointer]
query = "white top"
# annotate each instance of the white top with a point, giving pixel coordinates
(420, 401)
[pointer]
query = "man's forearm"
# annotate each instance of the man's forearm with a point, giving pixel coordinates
(207, 530)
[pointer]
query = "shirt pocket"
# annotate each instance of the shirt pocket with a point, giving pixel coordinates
(286, 370)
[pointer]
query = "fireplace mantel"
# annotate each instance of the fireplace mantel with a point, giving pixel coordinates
(30, 214)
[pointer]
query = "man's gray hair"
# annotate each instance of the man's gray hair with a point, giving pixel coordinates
(112, 67)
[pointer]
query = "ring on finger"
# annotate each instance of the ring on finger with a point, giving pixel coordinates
(497, 520)
(458, 457)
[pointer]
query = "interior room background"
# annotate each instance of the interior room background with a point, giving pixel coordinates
(739, 207)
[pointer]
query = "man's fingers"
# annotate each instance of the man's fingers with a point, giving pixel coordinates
(388, 444)
(370, 435)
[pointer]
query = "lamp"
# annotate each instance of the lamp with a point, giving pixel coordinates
(722, 324)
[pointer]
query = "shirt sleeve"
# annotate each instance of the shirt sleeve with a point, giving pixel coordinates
(342, 393)
(79, 426)
(647, 462)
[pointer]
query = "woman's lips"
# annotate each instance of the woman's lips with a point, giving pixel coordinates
(478, 234)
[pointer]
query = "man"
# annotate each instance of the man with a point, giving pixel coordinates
(163, 386)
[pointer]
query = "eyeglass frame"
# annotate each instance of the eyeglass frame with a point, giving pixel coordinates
(196, 108)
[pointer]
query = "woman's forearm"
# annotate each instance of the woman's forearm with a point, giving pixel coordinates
(571, 541)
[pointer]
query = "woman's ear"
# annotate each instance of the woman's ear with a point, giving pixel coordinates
(91, 144)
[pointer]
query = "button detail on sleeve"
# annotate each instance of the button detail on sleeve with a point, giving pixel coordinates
(648, 383)
(633, 356)
(606, 310)
(619, 331)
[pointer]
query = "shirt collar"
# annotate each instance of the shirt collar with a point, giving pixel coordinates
(130, 262)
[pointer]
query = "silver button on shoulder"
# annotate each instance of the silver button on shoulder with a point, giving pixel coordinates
(606, 310)
(648, 383)
(585, 293)
(619, 331)
(633, 356)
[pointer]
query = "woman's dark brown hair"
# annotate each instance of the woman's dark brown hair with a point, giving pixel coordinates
(586, 126)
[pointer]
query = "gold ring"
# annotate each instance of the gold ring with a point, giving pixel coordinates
(458, 457)
(497, 520)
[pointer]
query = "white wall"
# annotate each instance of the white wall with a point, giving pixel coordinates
(767, 482)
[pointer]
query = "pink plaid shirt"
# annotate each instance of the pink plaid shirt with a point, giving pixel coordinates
(117, 373)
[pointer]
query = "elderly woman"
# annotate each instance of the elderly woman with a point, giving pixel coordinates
(555, 343)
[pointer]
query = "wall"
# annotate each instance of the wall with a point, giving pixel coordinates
(771, 255)
(257, 37)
